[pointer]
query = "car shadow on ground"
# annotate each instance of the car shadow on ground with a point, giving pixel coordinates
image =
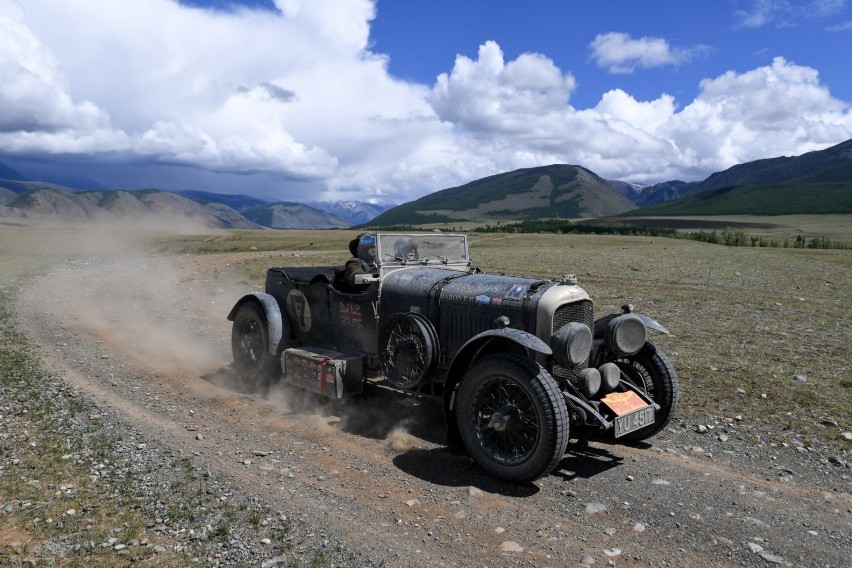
(453, 468)
(379, 411)
(443, 466)
(585, 461)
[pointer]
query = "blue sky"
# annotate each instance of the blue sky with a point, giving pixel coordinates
(390, 100)
(423, 38)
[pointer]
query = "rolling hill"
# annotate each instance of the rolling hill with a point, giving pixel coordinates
(24, 199)
(817, 182)
(556, 191)
(280, 214)
(775, 199)
(806, 173)
(6, 195)
(286, 215)
(149, 208)
(45, 202)
(356, 212)
(831, 165)
(658, 193)
(235, 202)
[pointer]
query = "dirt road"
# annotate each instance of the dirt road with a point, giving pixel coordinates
(146, 336)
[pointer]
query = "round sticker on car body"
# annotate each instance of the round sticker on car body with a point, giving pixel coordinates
(299, 311)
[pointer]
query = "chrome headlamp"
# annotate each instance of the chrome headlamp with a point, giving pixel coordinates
(626, 335)
(571, 344)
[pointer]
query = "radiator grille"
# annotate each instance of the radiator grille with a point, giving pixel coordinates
(578, 311)
(582, 312)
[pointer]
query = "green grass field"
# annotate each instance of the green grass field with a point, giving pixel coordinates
(778, 228)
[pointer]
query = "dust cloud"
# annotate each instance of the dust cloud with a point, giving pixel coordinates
(400, 440)
(168, 313)
(40, 238)
(372, 417)
(164, 311)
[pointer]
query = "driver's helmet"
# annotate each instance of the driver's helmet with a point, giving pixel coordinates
(405, 249)
(364, 247)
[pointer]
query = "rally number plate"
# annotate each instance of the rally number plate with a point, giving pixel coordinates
(634, 421)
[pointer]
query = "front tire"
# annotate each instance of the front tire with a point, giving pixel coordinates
(250, 347)
(512, 417)
(651, 371)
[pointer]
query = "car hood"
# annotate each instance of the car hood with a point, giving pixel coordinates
(415, 289)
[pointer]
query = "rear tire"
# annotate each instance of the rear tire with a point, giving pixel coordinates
(512, 417)
(651, 371)
(250, 348)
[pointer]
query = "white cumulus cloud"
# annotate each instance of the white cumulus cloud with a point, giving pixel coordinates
(781, 109)
(38, 114)
(490, 94)
(620, 53)
(294, 104)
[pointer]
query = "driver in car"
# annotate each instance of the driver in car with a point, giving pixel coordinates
(363, 261)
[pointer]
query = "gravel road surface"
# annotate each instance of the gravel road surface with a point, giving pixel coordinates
(145, 340)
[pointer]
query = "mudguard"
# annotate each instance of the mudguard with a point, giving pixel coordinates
(274, 321)
(521, 338)
(505, 338)
(650, 323)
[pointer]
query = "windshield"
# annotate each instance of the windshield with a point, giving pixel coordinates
(400, 249)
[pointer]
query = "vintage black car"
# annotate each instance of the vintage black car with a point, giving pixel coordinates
(519, 361)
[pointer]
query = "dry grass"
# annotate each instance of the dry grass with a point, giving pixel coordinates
(837, 228)
(741, 318)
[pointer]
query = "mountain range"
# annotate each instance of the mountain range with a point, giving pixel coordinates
(832, 165)
(816, 182)
(38, 201)
(529, 193)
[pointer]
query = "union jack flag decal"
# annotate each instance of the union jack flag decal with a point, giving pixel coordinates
(350, 315)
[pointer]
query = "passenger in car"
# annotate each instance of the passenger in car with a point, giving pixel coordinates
(363, 261)
(405, 249)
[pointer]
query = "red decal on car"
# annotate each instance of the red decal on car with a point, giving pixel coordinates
(350, 315)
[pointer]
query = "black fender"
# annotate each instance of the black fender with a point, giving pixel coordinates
(600, 353)
(501, 340)
(277, 325)
(650, 323)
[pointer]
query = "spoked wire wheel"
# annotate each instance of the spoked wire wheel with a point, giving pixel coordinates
(408, 350)
(512, 417)
(250, 347)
